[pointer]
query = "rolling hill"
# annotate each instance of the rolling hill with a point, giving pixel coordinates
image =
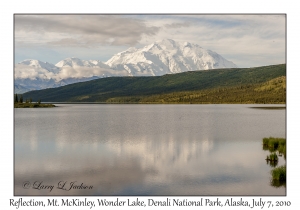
(231, 82)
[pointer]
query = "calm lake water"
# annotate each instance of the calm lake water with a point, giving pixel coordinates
(145, 150)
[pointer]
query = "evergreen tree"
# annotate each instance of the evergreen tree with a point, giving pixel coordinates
(30, 100)
(39, 101)
(21, 99)
(16, 98)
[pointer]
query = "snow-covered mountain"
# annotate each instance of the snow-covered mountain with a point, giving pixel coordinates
(162, 57)
(40, 65)
(78, 63)
(35, 75)
(167, 56)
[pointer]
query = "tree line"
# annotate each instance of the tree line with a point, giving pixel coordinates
(19, 99)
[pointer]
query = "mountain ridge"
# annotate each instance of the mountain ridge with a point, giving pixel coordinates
(159, 58)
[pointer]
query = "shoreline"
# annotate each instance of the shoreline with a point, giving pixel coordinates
(33, 105)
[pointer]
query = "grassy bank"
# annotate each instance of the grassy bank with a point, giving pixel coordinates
(278, 176)
(279, 173)
(276, 145)
(32, 105)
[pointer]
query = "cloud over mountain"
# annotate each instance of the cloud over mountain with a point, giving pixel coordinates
(81, 30)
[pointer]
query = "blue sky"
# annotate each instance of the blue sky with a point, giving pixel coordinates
(246, 40)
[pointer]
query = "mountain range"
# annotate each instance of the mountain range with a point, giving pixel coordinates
(159, 58)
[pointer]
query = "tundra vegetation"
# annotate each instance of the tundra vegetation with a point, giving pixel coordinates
(276, 146)
(278, 176)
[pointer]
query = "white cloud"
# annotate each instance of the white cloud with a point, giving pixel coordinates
(239, 38)
(80, 30)
(70, 72)
(24, 71)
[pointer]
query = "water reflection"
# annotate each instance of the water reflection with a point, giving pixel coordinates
(145, 150)
(273, 164)
(277, 183)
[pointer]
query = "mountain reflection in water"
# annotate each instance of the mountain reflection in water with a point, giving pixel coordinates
(146, 149)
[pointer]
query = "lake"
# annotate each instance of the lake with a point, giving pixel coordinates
(123, 149)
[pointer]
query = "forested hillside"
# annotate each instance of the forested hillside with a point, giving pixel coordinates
(265, 84)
